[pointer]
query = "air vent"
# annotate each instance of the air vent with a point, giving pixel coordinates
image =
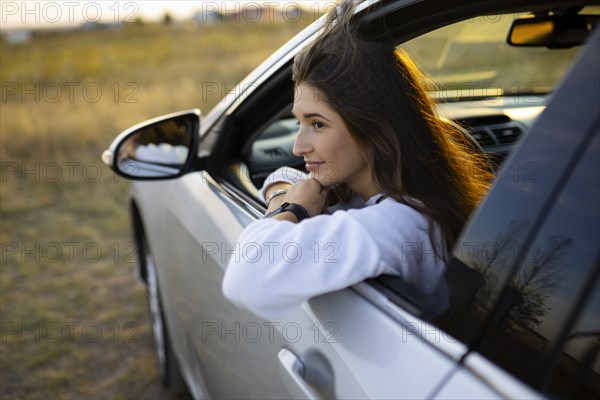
(483, 137)
(507, 134)
(274, 152)
(492, 130)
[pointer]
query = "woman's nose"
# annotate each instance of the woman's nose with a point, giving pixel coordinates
(301, 145)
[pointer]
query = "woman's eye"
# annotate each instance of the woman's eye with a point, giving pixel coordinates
(297, 123)
(318, 124)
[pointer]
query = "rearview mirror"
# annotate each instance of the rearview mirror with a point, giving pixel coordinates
(552, 31)
(161, 148)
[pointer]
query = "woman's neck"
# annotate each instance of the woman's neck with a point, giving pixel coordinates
(367, 192)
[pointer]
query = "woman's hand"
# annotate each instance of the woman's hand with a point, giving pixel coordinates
(309, 194)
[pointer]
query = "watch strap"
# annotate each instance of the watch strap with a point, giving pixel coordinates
(296, 209)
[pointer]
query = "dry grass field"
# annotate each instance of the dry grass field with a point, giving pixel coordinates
(73, 317)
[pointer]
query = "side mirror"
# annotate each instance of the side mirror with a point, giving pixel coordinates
(161, 148)
(552, 31)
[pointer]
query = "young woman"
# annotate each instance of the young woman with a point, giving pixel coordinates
(406, 181)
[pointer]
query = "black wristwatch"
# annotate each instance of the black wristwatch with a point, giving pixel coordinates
(296, 209)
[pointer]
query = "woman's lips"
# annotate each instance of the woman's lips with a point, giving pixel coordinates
(313, 165)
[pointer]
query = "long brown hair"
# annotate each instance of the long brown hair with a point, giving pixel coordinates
(417, 158)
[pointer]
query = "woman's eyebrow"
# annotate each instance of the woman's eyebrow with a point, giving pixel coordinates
(312, 115)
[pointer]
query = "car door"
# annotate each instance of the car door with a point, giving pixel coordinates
(539, 319)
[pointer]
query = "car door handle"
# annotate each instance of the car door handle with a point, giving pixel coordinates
(291, 370)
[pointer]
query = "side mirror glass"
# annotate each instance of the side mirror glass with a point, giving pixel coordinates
(553, 31)
(161, 148)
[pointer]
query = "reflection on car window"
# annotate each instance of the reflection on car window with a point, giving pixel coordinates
(472, 59)
(527, 326)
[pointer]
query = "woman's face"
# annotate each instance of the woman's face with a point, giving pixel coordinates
(331, 155)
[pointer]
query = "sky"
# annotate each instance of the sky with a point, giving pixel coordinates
(49, 14)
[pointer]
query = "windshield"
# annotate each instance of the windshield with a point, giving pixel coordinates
(471, 59)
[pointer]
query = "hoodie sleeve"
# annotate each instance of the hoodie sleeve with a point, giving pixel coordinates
(283, 174)
(277, 265)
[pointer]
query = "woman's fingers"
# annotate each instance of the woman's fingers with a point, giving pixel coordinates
(308, 193)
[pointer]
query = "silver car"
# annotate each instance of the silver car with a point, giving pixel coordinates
(521, 318)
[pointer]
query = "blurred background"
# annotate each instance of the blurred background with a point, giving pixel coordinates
(74, 75)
